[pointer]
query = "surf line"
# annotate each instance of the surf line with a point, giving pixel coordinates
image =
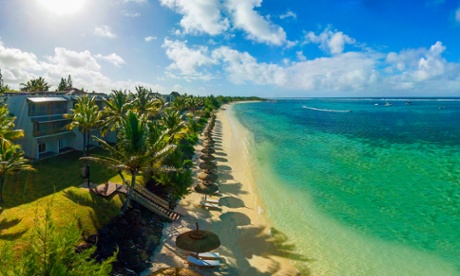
(326, 110)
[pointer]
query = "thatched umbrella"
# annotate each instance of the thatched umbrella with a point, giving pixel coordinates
(208, 150)
(207, 157)
(207, 188)
(208, 166)
(209, 143)
(198, 241)
(209, 177)
(175, 271)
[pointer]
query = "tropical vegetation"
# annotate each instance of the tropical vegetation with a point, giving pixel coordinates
(155, 136)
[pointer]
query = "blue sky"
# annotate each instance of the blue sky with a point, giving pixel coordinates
(267, 48)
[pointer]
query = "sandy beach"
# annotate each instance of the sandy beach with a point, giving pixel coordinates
(247, 248)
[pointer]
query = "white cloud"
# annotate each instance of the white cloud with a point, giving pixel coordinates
(419, 65)
(242, 67)
(11, 57)
(187, 60)
(112, 58)
(104, 31)
(202, 16)
(457, 15)
(130, 14)
(68, 59)
(19, 67)
(349, 71)
(150, 38)
(134, 1)
(300, 56)
(330, 41)
(288, 14)
(256, 26)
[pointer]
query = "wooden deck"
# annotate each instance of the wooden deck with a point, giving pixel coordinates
(144, 197)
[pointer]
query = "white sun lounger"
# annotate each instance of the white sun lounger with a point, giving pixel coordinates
(210, 200)
(209, 205)
(206, 255)
(202, 263)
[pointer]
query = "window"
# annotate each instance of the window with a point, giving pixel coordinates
(41, 147)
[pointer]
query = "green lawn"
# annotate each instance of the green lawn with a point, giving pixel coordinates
(57, 179)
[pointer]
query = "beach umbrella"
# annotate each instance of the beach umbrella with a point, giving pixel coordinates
(208, 145)
(209, 177)
(207, 166)
(175, 271)
(209, 140)
(207, 157)
(208, 150)
(207, 188)
(198, 241)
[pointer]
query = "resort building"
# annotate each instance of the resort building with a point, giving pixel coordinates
(40, 115)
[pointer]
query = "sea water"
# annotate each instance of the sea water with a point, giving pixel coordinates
(360, 186)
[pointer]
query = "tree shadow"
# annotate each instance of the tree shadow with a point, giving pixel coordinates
(53, 175)
(224, 168)
(6, 224)
(232, 202)
(232, 188)
(220, 159)
(235, 219)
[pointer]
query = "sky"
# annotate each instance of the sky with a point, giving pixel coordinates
(267, 48)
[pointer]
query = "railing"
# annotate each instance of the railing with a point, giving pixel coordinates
(154, 206)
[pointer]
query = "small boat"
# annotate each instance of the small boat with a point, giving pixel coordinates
(388, 104)
(376, 104)
(408, 103)
(441, 107)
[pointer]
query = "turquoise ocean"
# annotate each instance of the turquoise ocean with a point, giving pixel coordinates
(360, 187)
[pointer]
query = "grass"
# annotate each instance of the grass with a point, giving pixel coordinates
(57, 179)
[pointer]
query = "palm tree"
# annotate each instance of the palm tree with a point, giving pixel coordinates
(145, 102)
(178, 103)
(192, 104)
(115, 109)
(11, 161)
(173, 123)
(7, 131)
(135, 151)
(86, 116)
(35, 85)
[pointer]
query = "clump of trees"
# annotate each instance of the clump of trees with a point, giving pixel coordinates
(65, 84)
(53, 251)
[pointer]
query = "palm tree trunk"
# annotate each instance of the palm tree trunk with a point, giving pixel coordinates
(130, 193)
(87, 154)
(2, 180)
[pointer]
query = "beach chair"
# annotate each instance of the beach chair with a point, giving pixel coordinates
(210, 200)
(206, 255)
(208, 205)
(202, 263)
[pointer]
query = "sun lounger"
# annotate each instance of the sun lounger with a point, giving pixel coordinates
(210, 200)
(202, 263)
(206, 255)
(209, 205)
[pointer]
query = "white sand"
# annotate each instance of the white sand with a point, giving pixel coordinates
(246, 246)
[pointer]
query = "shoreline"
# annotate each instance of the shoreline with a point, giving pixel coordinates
(247, 247)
